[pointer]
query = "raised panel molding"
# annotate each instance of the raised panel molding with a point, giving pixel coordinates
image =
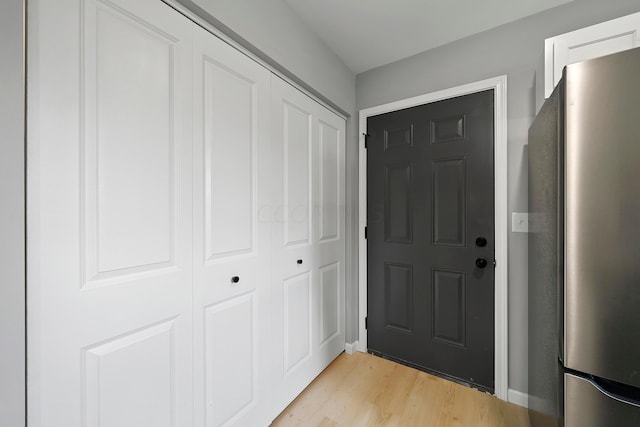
(230, 359)
(128, 168)
(329, 301)
(230, 141)
(129, 380)
(448, 307)
(398, 290)
(330, 191)
(398, 223)
(448, 201)
(398, 138)
(297, 320)
(587, 43)
(297, 177)
(448, 129)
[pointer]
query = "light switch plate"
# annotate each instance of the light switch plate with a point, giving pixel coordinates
(520, 222)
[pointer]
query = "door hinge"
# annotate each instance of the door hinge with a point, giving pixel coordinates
(366, 323)
(366, 140)
(365, 233)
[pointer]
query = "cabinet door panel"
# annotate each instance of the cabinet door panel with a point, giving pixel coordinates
(590, 42)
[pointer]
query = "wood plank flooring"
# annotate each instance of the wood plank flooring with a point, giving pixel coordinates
(365, 390)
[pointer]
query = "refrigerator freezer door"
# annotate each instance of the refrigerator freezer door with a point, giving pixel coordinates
(602, 234)
(588, 405)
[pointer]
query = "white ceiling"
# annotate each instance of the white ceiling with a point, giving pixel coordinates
(368, 33)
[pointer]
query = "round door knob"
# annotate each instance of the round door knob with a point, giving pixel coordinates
(481, 242)
(299, 261)
(235, 279)
(481, 262)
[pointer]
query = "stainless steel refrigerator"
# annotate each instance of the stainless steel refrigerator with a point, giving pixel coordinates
(584, 247)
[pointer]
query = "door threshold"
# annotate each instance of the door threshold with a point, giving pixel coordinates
(433, 372)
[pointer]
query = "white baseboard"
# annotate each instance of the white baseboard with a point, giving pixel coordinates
(518, 398)
(351, 348)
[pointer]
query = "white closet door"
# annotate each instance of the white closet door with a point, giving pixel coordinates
(232, 346)
(308, 240)
(329, 231)
(109, 218)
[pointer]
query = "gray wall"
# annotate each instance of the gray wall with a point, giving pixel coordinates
(515, 49)
(12, 260)
(271, 27)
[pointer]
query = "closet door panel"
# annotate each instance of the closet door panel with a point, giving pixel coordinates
(293, 265)
(109, 215)
(329, 251)
(231, 178)
(308, 294)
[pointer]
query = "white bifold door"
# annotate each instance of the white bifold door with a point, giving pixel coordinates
(109, 215)
(308, 239)
(185, 214)
(232, 186)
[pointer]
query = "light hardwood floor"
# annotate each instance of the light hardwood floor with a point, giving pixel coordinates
(365, 390)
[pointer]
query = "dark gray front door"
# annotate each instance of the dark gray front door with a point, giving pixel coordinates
(431, 237)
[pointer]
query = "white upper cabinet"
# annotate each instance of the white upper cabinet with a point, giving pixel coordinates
(587, 43)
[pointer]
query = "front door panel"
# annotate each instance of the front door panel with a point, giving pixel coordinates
(430, 197)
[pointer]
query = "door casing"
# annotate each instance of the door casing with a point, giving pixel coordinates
(499, 85)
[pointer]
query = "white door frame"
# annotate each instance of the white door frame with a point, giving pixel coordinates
(499, 85)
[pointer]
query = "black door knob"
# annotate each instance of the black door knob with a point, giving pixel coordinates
(299, 261)
(481, 262)
(481, 242)
(235, 279)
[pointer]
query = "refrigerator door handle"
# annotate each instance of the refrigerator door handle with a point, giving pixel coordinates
(588, 404)
(614, 390)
